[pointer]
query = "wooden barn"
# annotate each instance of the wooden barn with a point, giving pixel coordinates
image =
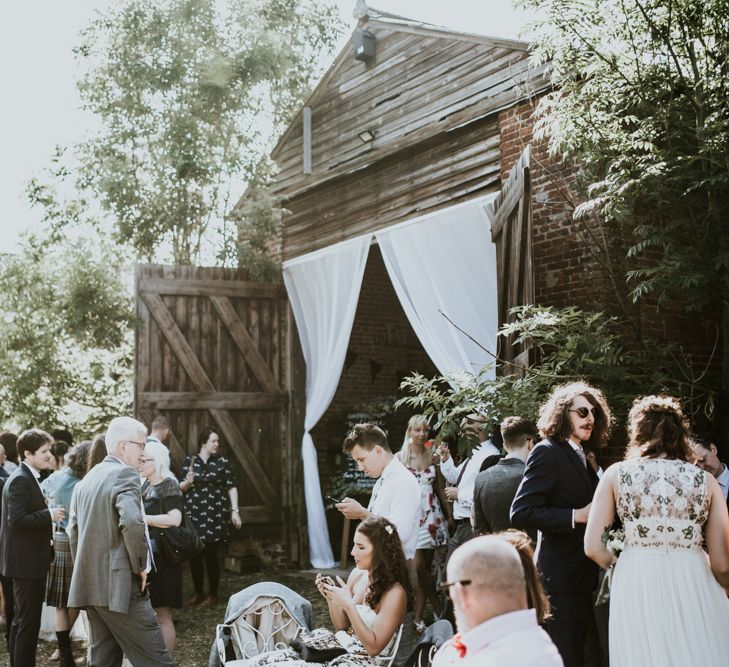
(414, 190)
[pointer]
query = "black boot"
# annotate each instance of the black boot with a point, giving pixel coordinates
(64, 648)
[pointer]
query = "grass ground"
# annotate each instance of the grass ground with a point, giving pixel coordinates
(196, 626)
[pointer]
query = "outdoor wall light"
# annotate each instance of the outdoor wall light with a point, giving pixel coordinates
(366, 136)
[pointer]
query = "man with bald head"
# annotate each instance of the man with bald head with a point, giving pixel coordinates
(487, 585)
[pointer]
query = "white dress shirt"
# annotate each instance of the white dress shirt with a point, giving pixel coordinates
(396, 496)
(723, 480)
(462, 506)
(510, 640)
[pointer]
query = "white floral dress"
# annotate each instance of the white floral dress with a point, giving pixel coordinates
(666, 607)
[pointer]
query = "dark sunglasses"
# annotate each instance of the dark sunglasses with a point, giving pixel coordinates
(445, 586)
(583, 412)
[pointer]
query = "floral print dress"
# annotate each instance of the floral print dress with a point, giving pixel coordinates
(207, 502)
(433, 528)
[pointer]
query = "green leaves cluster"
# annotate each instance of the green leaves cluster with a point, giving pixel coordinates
(569, 345)
(640, 104)
(189, 94)
(66, 345)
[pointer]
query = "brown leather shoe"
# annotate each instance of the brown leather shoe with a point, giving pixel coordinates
(194, 600)
(209, 601)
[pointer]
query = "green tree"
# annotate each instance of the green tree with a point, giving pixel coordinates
(639, 103)
(189, 94)
(570, 344)
(66, 345)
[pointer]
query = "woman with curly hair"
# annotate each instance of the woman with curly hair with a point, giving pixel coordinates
(373, 602)
(668, 603)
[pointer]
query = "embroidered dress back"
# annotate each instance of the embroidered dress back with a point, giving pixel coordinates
(666, 607)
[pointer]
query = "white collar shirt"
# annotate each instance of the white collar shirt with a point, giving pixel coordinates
(514, 639)
(35, 473)
(396, 496)
(462, 506)
(723, 480)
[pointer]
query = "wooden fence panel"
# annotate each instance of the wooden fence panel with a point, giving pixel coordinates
(211, 350)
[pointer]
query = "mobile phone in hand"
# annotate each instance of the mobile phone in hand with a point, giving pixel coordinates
(334, 500)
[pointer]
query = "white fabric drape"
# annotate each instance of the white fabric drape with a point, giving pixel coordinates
(446, 261)
(323, 289)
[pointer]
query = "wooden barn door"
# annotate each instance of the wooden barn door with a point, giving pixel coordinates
(213, 349)
(511, 231)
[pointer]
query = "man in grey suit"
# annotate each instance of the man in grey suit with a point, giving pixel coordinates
(111, 553)
(496, 487)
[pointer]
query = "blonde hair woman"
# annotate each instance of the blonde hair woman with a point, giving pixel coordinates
(433, 531)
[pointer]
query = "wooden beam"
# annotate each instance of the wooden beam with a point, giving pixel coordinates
(205, 400)
(259, 514)
(189, 361)
(190, 287)
(245, 343)
(307, 140)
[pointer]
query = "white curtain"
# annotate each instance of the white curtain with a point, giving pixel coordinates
(323, 289)
(446, 261)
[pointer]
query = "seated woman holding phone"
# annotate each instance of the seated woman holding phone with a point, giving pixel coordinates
(373, 602)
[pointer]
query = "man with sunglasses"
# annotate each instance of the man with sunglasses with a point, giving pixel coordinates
(554, 497)
(112, 555)
(486, 583)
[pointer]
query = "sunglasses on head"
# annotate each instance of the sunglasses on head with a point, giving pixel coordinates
(583, 412)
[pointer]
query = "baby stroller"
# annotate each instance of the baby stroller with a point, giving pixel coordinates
(260, 618)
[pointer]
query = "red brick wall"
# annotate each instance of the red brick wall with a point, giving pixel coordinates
(569, 272)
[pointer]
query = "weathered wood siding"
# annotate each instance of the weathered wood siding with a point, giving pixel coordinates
(420, 86)
(434, 174)
(213, 349)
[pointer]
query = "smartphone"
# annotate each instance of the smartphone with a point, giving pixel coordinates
(328, 580)
(334, 500)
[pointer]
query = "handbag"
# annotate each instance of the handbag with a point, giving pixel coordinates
(319, 645)
(179, 543)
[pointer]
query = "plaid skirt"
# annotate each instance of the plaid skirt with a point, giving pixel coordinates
(59, 574)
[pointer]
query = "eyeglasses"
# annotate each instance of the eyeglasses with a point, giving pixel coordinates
(146, 460)
(445, 586)
(583, 412)
(134, 442)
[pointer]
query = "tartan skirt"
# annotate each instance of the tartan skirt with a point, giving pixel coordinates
(59, 574)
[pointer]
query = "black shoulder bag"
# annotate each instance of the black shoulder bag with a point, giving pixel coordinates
(179, 543)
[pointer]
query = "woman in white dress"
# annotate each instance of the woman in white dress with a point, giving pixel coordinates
(668, 603)
(373, 602)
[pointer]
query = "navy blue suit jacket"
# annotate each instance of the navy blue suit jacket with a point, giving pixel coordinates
(26, 530)
(555, 482)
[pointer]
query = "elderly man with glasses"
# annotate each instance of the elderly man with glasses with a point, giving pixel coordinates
(112, 555)
(487, 584)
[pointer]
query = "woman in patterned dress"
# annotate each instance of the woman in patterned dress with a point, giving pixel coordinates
(668, 602)
(433, 533)
(211, 501)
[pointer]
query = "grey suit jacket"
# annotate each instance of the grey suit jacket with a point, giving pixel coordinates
(108, 539)
(493, 494)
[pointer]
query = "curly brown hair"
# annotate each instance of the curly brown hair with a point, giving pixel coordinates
(388, 560)
(78, 459)
(657, 428)
(554, 420)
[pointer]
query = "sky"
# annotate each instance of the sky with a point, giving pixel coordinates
(42, 108)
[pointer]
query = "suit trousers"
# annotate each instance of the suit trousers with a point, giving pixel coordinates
(28, 597)
(9, 611)
(572, 616)
(135, 634)
(461, 535)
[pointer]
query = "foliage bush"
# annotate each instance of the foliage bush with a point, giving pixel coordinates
(569, 344)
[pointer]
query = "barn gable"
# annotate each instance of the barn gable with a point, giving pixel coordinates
(425, 81)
